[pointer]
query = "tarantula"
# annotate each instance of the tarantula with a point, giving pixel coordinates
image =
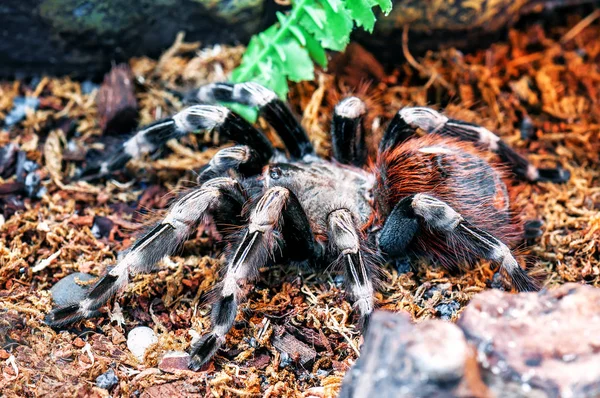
(433, 196)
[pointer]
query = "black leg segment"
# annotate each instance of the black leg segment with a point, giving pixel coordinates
(399, 229)
(348, 133)
(396, 133)
(275, 111)
(240, 158)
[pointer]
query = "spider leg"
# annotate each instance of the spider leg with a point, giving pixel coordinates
(418, 211)
(347, 132)
(217, 196)
(431, 121)
(257, 245)
(240, 158)
(347, 242)
(192, 119)
(274, 110)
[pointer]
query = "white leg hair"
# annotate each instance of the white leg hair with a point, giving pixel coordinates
(439, 216)
(161, 241)
(434, 122)
(345, 239)
(256, 245)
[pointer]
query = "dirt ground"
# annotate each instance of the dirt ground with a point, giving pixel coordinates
(539, 90)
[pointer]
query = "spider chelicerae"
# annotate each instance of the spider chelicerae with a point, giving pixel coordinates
(435, 195)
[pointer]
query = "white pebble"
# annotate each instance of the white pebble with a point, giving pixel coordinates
(139, 339)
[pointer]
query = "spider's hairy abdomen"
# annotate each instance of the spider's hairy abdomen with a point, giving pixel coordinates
(454, 172)
(322, 186)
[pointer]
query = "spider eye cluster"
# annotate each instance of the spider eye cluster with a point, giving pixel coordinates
(275, 173)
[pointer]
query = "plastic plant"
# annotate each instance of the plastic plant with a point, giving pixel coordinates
(288, 49)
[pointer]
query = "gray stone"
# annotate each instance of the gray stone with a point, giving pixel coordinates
(68, 291)
(107, 380)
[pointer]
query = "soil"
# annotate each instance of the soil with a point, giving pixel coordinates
(539, 89)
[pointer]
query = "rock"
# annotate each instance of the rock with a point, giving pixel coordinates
(107, 380)
(20, 107)
(447, 310)
(139, 339)
(83, 38)
(68, 290)
(544, 344)
(174, 361)
(399, 358)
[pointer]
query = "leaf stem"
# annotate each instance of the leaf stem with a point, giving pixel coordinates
(297, 10)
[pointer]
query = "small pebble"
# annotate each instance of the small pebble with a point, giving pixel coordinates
(68, 291)
(88, 86)
(447, 310)
(284, 360)
(139, 339)
(107, 380)
(338, 280)
(527, 128)
(20, 105)
(497, 281)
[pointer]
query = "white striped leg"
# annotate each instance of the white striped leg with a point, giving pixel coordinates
(274, 110)
(192, 119)
(346, 241)
(163, 240)
(256, 245)
(240, 158)
(441, 218)
(434, 122)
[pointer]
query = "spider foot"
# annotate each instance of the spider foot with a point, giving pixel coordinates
(204, 349)
(555, 175)
(533, 229)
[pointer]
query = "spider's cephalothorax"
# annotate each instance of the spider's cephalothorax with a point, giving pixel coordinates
(435, 195)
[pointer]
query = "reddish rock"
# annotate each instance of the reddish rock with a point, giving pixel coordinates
(399, 358)
(544, 344)
(174, 361)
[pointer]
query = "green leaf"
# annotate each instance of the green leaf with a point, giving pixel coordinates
(247, 112)
(361, 11)
(336, 26)
(287, 49)
(316, 51)
(298, 65)
(385, 5)
(316, 15)
(299, 34)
